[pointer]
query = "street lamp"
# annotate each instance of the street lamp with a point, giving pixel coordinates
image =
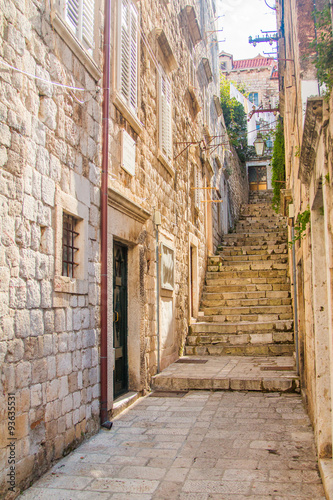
(259, 145)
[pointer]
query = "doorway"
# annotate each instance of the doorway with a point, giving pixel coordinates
(258, 178)
(120, 293)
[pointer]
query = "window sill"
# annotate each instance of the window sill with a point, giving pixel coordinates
(136, 125)
(75, 286)
(166, 163)
(74, 44)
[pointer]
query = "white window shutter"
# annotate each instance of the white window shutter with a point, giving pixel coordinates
(124, 48)
(73, 14)
(134, 58)
(88, 15)
(165, 115)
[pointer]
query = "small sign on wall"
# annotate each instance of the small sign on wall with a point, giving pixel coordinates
(128, 150)
(167, 267)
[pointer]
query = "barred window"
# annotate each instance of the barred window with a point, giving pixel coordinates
(69, 249)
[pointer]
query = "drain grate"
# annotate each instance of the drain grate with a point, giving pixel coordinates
(168, 394)
(192, 361)
(277, 368)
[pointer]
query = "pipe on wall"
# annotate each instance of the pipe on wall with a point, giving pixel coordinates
(104, 218)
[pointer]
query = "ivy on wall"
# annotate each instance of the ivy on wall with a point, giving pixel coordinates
(235, 120)
(323, 44)
(278, 165)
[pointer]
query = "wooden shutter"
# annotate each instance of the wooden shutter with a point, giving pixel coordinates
(88, 14)
(73, 14)
(134, 58)
(124, 48)
(165, 115)
(128, 53)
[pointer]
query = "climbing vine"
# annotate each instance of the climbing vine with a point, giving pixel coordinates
(302, 220)
(278, 165)
(323, 45)
(235, 120)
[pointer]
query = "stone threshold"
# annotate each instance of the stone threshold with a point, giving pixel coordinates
(123, 402)
(326, 473)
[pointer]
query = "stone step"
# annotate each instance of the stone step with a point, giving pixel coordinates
(225, 317)
(217, 304)
(249, 265)
(279, 280)
(204, 328)
(252, 250)
(229, 373)
(253, 257)
(216, 312)
(241, 350)
(252, 287)
(247, 294)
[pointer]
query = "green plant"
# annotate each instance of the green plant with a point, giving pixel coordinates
(297, 151)
(323, 45)
(327, 178)
(235, 120)
(302, 220)
(278, 165)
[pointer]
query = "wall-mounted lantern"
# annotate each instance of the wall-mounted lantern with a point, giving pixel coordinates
(259, 145)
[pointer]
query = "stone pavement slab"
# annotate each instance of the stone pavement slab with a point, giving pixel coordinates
(238, 373)
(202, 445)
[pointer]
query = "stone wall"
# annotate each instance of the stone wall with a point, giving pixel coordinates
(308, 129)
(50, 165)
(50, 160)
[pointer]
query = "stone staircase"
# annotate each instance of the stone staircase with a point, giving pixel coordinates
(246, 304)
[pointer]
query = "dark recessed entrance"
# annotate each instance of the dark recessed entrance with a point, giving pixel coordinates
(257, 178)
(120, 375)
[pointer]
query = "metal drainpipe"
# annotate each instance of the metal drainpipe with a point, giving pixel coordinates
(158, 301)
(295, 297)
(104, 220)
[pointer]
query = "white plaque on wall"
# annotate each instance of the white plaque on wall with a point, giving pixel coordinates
(167, 267)
(128, 150)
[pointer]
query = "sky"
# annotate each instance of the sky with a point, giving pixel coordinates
(242, 18)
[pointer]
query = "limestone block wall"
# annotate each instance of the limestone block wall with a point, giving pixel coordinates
(309, 181)
(258, 80)
(49, 162)
(167, 187)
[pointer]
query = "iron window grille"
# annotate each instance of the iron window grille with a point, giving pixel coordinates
(68, 247)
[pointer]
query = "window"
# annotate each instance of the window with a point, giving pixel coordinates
(254, 98)
(69, 247)
(128, 54)
(74, 21)
(223, 66)
(165, 128)
(79, 15)
(71, 241)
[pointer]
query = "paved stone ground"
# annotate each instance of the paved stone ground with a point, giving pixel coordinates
(203, 445)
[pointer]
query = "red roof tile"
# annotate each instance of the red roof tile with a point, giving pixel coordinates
(256, 62)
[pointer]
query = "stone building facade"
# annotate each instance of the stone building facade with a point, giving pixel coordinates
(259, 78)
(308, 119)
(168, 151)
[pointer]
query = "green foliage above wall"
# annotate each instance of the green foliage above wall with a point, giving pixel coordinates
(324, 48)
(235, 120)
(278, 165)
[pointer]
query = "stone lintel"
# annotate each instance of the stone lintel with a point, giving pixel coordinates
(192, 24)
(128, 207)
(166, 49)
(217, 104)
(207, 69)
(311, 133)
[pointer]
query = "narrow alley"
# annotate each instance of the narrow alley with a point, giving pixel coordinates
(197, 445)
